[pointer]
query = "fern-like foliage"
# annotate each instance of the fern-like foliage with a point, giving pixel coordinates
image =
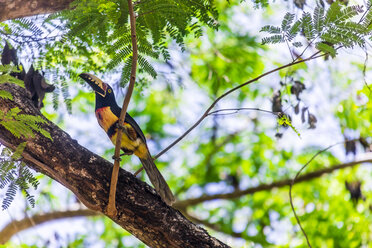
(260, 3)
(5, 77)
(15, 176)
(66, 97)
(328, 29)
(92, 27)
(13, 173)
(22, 125)
(94, 36)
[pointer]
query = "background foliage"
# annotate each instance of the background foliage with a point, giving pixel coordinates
(190, 53)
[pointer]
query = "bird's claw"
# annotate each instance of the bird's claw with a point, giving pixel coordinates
(126, 153)
(116, 158)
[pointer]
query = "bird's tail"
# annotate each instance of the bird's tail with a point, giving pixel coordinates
(157, 180)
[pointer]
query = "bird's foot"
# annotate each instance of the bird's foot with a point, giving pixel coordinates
(116, 158)
(118, 126)
(126, 153)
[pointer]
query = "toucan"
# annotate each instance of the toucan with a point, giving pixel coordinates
(133, 140)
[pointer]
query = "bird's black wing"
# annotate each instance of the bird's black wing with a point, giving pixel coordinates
(128, 119)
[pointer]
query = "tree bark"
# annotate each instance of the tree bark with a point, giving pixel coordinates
(140, 210)
(11, 9)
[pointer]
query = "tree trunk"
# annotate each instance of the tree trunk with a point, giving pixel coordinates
(140, 210)
(11, 9)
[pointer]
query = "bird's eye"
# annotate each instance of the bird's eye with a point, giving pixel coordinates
(109, 90)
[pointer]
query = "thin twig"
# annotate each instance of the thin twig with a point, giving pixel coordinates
(265, 187)
(290, 51)
(294, 180)
(236, 110)
(111, 208)
(229, 92)
(303, 51)
(364, 72)
(206, 113)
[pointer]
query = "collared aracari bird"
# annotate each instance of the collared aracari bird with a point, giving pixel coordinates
(133, 140)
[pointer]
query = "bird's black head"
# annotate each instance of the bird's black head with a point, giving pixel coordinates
(104, 93)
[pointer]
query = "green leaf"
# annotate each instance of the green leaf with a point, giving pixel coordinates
(283, 120)
(6, 95)
(125, 72)
(271, 29)
(272, 39)
(19, 150)
(318, 18)
(146, 66)
(287, 21)
(10, 79)
(120, 56)
(307, 26)
(22, 125)
(336, 14)
(326, 49)
(333, 12)
(294, 30)
(349, 12)
(297, 44)
(45, 133)
(367, 21)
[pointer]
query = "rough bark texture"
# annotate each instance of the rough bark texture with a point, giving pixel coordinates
(140, 210)
(11, 9)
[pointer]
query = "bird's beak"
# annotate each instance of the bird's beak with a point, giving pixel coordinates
(97, 84)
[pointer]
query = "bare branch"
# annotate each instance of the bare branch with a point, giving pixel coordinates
(206, 113)
(364, 71)
(20, 225)
(236, 110)
(264, 187)
(294, 180)
(111, 209)
(296, 177)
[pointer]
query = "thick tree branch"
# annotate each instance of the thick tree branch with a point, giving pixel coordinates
(140, 210)
(264, 187)
(11, 9)
(20, 225)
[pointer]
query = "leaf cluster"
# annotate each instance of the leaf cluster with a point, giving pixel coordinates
(22, 125)
(5, 77)
(101, 27)
(16, 176)
(327, 29)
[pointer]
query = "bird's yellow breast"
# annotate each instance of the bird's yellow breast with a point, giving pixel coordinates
(137, 146)
(105, 117)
